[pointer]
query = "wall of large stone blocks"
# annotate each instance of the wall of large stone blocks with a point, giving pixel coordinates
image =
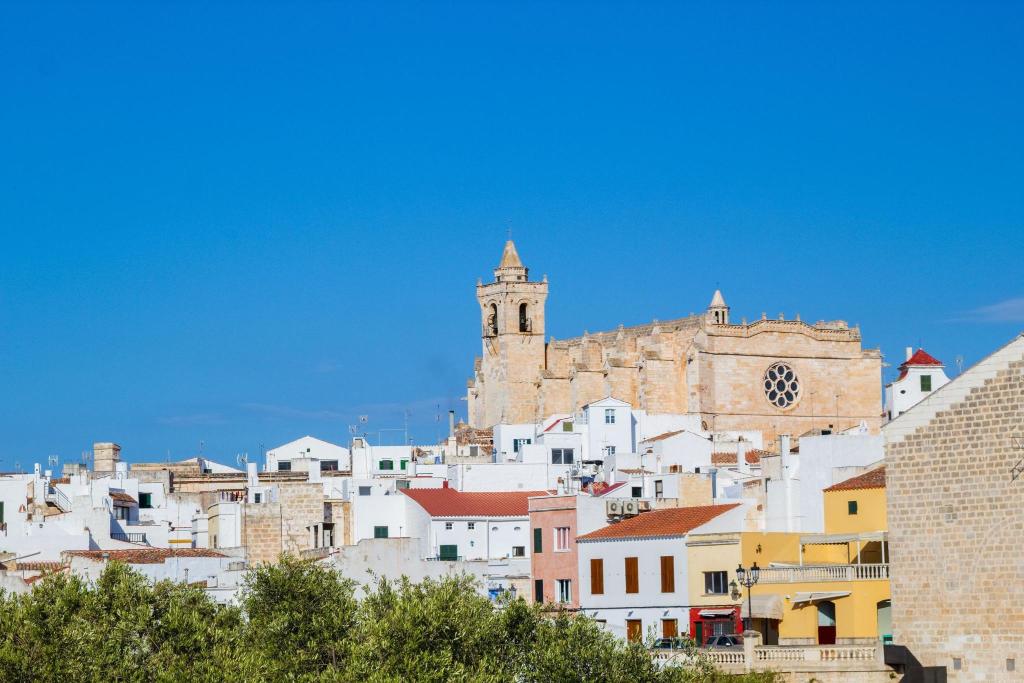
(956, 525)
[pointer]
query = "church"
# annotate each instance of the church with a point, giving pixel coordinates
(778, 376)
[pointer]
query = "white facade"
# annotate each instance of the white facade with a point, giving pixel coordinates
(915, 383)
(331, 456)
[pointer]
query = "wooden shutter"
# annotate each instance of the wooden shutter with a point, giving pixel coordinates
(668, 574)
(632, 575)
(538, 540)
(597, 576)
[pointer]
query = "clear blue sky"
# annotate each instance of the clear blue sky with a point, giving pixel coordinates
(245, 222)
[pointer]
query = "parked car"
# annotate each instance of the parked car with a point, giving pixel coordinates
(670, 644)
(724, 641)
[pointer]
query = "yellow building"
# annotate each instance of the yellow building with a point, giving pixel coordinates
(831, 587)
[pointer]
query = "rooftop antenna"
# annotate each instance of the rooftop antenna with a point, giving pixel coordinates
(959, 365)
(242, 459)
(52, 461)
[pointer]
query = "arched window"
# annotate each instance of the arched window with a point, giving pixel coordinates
(524, 321)
(492, 321)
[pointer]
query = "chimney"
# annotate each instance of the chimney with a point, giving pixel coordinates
(784, 452)
(250, 474)
(714, 484)
(104, 456)
(910, 352)
(741, 456)
(451, 424)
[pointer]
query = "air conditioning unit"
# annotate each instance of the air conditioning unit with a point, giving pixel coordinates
(630, 507)
(613, 507)
(643, 505)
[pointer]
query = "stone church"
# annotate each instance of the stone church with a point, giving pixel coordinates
(778, 376)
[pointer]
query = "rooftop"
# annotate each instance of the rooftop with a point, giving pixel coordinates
(445, 502)
(143, 555)
(727, 458)
(665, 522)
(875, 479)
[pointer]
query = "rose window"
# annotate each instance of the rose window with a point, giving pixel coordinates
(781, 386)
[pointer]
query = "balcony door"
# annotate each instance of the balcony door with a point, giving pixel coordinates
(826, 623)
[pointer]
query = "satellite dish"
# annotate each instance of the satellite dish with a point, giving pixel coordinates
(363, 419)
(242, 458)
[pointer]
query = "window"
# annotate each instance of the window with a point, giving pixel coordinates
(561, 456)
(566, 426)
(524, 322)
(145, 500)
(448, 526)
(538, 590)
(851, 507)
(257, 497)
(386, 465)
(474, 451)
(926, 382)
(519, 551)
(659, 488)
(597, 576)
(404, 464)
(284, 465)
(328, 465)
(492, 321)
(638, 492)
(449, 553)
(518, 443)
(538, 540)
(781, 386)
(402, 484)
(668, 574)
(562, 539)
(610, 450)
(632, 575)
(609, 416)
(716, 583)
(120, 512)
(364, 490)
(564, 590)
(957, 664)
(471, 525)
(380, 532)
(1, 512)
(634, 630)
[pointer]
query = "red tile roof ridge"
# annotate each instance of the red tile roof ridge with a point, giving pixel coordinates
(143, 555)
(446, 502)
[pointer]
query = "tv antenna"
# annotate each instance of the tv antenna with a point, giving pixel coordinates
(52, 461)
(242, 458)
(959, 365)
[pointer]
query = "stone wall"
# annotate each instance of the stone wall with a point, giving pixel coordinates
(289, 525)
(956, 520)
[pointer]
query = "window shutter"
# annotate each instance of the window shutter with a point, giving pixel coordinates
(668, 574)
(538, 540)
(597, 576)
(632, 575)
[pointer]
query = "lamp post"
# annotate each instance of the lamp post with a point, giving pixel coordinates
(747, 578)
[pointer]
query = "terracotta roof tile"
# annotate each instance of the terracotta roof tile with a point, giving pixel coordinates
(121, 496)
(635, 470)
(143, 555)
(922, 357)
(662, 437)
(445, 502)
(665, 522)
(875, 479)
(39, 566)
(600, 488)
(727, 458)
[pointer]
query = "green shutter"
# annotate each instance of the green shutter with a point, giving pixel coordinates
(926, 382)
(380, 532)
(1, 512)
(449, 553)
(404, 464)
(538, 540)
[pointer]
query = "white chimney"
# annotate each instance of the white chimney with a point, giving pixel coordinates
(741, 456)
(910, 352)
(250, 474)
(784, 453)
(451, 424)
(313, 474)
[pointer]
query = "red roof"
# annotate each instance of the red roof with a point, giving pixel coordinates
(600, 488)
(921, 357)
(753, 457)
(665, 522)
(143, 555)
(121, 496)
(875, 479)
(662, 437)
(451, 503)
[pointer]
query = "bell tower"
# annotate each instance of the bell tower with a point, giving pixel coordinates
(512, 333)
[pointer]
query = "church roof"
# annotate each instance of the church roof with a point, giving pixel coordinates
(717, 299)
(510, 257)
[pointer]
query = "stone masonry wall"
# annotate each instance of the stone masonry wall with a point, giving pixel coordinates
(956, 520)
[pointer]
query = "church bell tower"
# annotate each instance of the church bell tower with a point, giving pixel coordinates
(512, 332)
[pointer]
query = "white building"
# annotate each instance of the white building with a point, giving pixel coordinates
(633, 574)
(331, 457)
(920, 375)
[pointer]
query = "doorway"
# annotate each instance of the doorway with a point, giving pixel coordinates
(826, 623)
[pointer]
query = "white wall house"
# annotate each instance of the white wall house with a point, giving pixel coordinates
(456, 525)
(331, 456)
(633, 574)
(610, 428)
(920, 375)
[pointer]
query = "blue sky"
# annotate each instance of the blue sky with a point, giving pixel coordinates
(241, 223)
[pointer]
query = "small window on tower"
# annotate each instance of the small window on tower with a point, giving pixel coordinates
(524, 321)
(926, 382)
(492, 321)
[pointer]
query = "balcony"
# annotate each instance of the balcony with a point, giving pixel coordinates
(810, 573)
(131, 537)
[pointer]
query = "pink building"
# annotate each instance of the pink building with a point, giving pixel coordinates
(555, 521)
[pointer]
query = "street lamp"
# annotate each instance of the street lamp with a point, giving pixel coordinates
(748, 578)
